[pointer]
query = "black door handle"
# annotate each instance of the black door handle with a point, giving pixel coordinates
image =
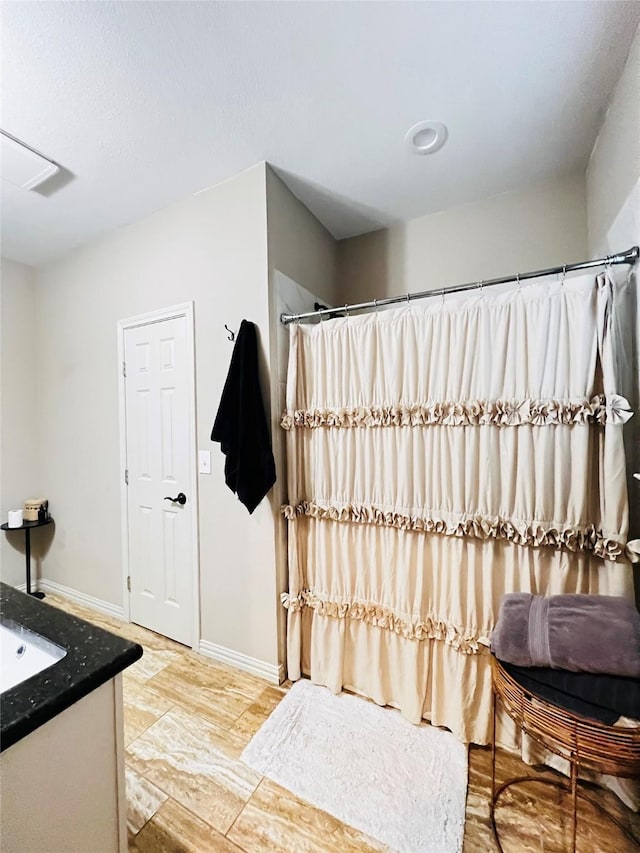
(180, 499)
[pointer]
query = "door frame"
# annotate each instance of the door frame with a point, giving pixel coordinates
(186, 310)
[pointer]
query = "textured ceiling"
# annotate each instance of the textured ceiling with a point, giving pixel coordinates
(146, 103)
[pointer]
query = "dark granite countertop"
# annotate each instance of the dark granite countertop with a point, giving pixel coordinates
(93, 657)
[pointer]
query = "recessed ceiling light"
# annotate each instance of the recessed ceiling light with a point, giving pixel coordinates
(426, 137)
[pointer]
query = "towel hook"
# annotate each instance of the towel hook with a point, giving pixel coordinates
(232, 335)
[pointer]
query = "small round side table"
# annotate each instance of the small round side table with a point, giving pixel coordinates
(27, 527)
(585, 743)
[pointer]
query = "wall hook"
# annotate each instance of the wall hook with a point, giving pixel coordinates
(232, 335)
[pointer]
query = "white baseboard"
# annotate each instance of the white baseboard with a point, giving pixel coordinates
(79, 597)
(274, 673)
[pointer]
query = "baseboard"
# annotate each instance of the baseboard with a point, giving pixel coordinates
(81, 598)
(274, 673)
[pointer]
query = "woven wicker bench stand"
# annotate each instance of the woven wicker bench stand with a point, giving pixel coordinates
(585, 743)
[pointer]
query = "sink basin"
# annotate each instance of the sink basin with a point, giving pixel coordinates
(23, 654)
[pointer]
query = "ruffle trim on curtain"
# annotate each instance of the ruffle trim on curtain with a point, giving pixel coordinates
(534, 534)
(599, 409)
(422, 628)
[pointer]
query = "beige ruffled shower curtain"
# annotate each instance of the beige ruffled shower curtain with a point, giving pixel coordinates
(440, 455)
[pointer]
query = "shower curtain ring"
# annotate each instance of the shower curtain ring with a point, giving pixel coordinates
(408, 297)
(564, 273)
(481, 284)
(346, 309)
(375, 305)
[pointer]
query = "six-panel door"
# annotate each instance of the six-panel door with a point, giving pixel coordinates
(158, 463)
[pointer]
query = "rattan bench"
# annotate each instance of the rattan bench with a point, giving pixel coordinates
(585, 743)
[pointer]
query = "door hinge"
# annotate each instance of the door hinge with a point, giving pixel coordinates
(129, 583)
(126, 476)
(124, 369)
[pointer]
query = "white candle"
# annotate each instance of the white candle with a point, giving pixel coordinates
(15, 518)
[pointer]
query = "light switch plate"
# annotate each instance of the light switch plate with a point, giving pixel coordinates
(204, 461)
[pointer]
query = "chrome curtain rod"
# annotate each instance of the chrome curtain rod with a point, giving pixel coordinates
(628, 257)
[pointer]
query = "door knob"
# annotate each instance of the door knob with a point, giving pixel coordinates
(181, 499)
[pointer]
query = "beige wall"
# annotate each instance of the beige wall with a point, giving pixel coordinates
(19, 411)
(299, 246)
(613, 173)
(529, 229)
(613, 205)
(210, 248)
(302, 270)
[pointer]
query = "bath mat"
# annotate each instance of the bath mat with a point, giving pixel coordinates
(405, 785)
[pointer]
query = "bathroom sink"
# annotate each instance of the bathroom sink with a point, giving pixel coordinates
(23, 653)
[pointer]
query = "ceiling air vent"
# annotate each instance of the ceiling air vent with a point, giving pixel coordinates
(21, 166)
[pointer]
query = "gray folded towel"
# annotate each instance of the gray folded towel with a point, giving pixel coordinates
(588, 633)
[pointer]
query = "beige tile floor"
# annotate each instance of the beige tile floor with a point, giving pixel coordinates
(187, 720)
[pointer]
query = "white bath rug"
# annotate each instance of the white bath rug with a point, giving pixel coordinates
(404, 785)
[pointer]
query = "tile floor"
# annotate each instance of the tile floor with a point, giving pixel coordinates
(187, 720)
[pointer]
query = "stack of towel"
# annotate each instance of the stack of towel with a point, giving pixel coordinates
(581, 652)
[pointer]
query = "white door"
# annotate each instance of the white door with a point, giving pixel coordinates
(158, 379)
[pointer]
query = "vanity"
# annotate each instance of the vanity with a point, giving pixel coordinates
(61, 730)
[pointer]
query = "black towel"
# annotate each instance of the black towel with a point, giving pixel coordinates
(602, 697)
(241, 424)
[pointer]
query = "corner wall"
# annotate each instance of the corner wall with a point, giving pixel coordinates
(302, 269)
(613, 204)
(210, 248)
(613, 173)
(299, 245)
(537, 227)
(20, 447)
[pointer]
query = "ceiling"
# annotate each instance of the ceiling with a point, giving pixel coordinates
(142, 104)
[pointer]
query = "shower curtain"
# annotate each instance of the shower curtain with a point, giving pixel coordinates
(440, 455)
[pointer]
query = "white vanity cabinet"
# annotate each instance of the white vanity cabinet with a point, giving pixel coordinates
(62, 787)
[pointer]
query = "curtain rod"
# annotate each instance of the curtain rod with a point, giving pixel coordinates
(628, 257)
